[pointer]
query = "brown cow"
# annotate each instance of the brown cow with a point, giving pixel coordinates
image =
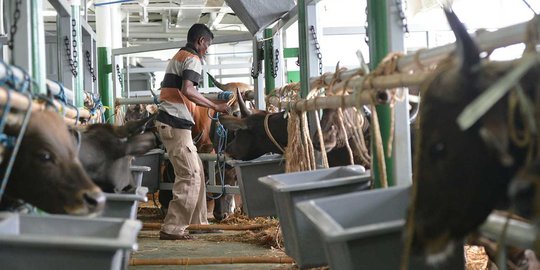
(47, 172)
(462, 175)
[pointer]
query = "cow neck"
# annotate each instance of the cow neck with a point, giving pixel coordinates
(269, 134)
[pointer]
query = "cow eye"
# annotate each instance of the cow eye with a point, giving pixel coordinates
(45, 156)
(438, 150)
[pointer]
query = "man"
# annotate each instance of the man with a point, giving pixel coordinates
(174, 122)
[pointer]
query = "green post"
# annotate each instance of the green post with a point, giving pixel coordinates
(269, 80)
(38, 47)
(303, 48)
(104, 78)
(378, 49)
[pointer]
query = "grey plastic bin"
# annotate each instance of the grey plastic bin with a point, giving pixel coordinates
(58, 242)
(153, 160)
(124, 205)
(363, 230)
(257, 199)
(302, 241)
(138, 172)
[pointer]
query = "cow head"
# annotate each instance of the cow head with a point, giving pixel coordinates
(240, 88)
(333, 136)
(107, 151)
(461, 175)
(250, 138)
(47, 172)
(135, 112)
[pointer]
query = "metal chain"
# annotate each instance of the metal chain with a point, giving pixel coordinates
(90, 67)
(257, 63)
(275, 64)
(119, 77)
(366, 27)
(13, 28)
(401, 13)
(317, 48)
(70, 59)
(74, 45)
(153, 81)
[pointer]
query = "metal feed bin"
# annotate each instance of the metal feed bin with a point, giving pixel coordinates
(302, 241)
(57, 242)
(257, 198)
(124, 205)
(363, 230)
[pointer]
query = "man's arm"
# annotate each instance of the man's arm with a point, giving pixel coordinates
(190, 91)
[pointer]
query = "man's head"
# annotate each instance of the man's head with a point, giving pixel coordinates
(201, 37)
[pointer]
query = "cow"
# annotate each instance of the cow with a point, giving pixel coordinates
(356, 125)
(48, 173)
(460, 175)
(106, 152)
(252, 141)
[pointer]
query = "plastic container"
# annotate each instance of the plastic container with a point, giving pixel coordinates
(58, 242)
(302, 241)
(257, 199)
(124, 205)
(363, 230)
(152, 159)
(138, 172)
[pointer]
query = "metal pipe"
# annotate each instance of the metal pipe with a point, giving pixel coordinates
(38, 46)
(151, 100)
(20, 102)
(518, 233)
(486, 41)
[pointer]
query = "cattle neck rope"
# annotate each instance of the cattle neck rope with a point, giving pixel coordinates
(267, 129)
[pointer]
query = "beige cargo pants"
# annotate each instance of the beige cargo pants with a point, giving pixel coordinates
(188, 205)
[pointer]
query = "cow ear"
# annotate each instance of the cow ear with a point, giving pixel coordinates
(133, 127)
(467, 52)
(232, 123)
(141, 144)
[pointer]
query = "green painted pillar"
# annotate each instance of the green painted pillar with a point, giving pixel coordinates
(269, 80)
(104, 80)
(303, 48)
(38, 47)
(378, 49)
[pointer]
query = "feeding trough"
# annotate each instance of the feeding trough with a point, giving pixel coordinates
(360, 227)
(257, 198)
(302, 241)
(57, 242)
(124, 205)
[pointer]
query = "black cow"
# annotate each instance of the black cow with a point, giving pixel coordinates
(47, 172)
(462, 175)
(107, 151)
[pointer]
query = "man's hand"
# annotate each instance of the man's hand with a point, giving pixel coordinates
(222, 107)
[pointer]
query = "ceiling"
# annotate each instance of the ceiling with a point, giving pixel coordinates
(164, 20)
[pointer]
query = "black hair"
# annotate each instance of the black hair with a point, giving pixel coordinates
(197, 31)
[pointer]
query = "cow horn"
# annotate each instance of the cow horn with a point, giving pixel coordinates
(243, 109)
(216, 83)
(467, 51)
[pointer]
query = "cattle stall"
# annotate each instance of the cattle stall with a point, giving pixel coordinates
(328, 84)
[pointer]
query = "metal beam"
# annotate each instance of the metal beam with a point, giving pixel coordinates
(287, 20)
(62, 7)
(178, 44)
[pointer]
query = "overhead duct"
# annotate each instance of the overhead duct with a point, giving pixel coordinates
(191, 14)
(258, 14)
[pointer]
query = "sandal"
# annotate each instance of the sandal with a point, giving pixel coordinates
(167, 236)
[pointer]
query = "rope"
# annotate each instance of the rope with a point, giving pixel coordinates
(269, 134)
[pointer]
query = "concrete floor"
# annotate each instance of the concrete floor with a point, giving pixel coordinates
(151, 247)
